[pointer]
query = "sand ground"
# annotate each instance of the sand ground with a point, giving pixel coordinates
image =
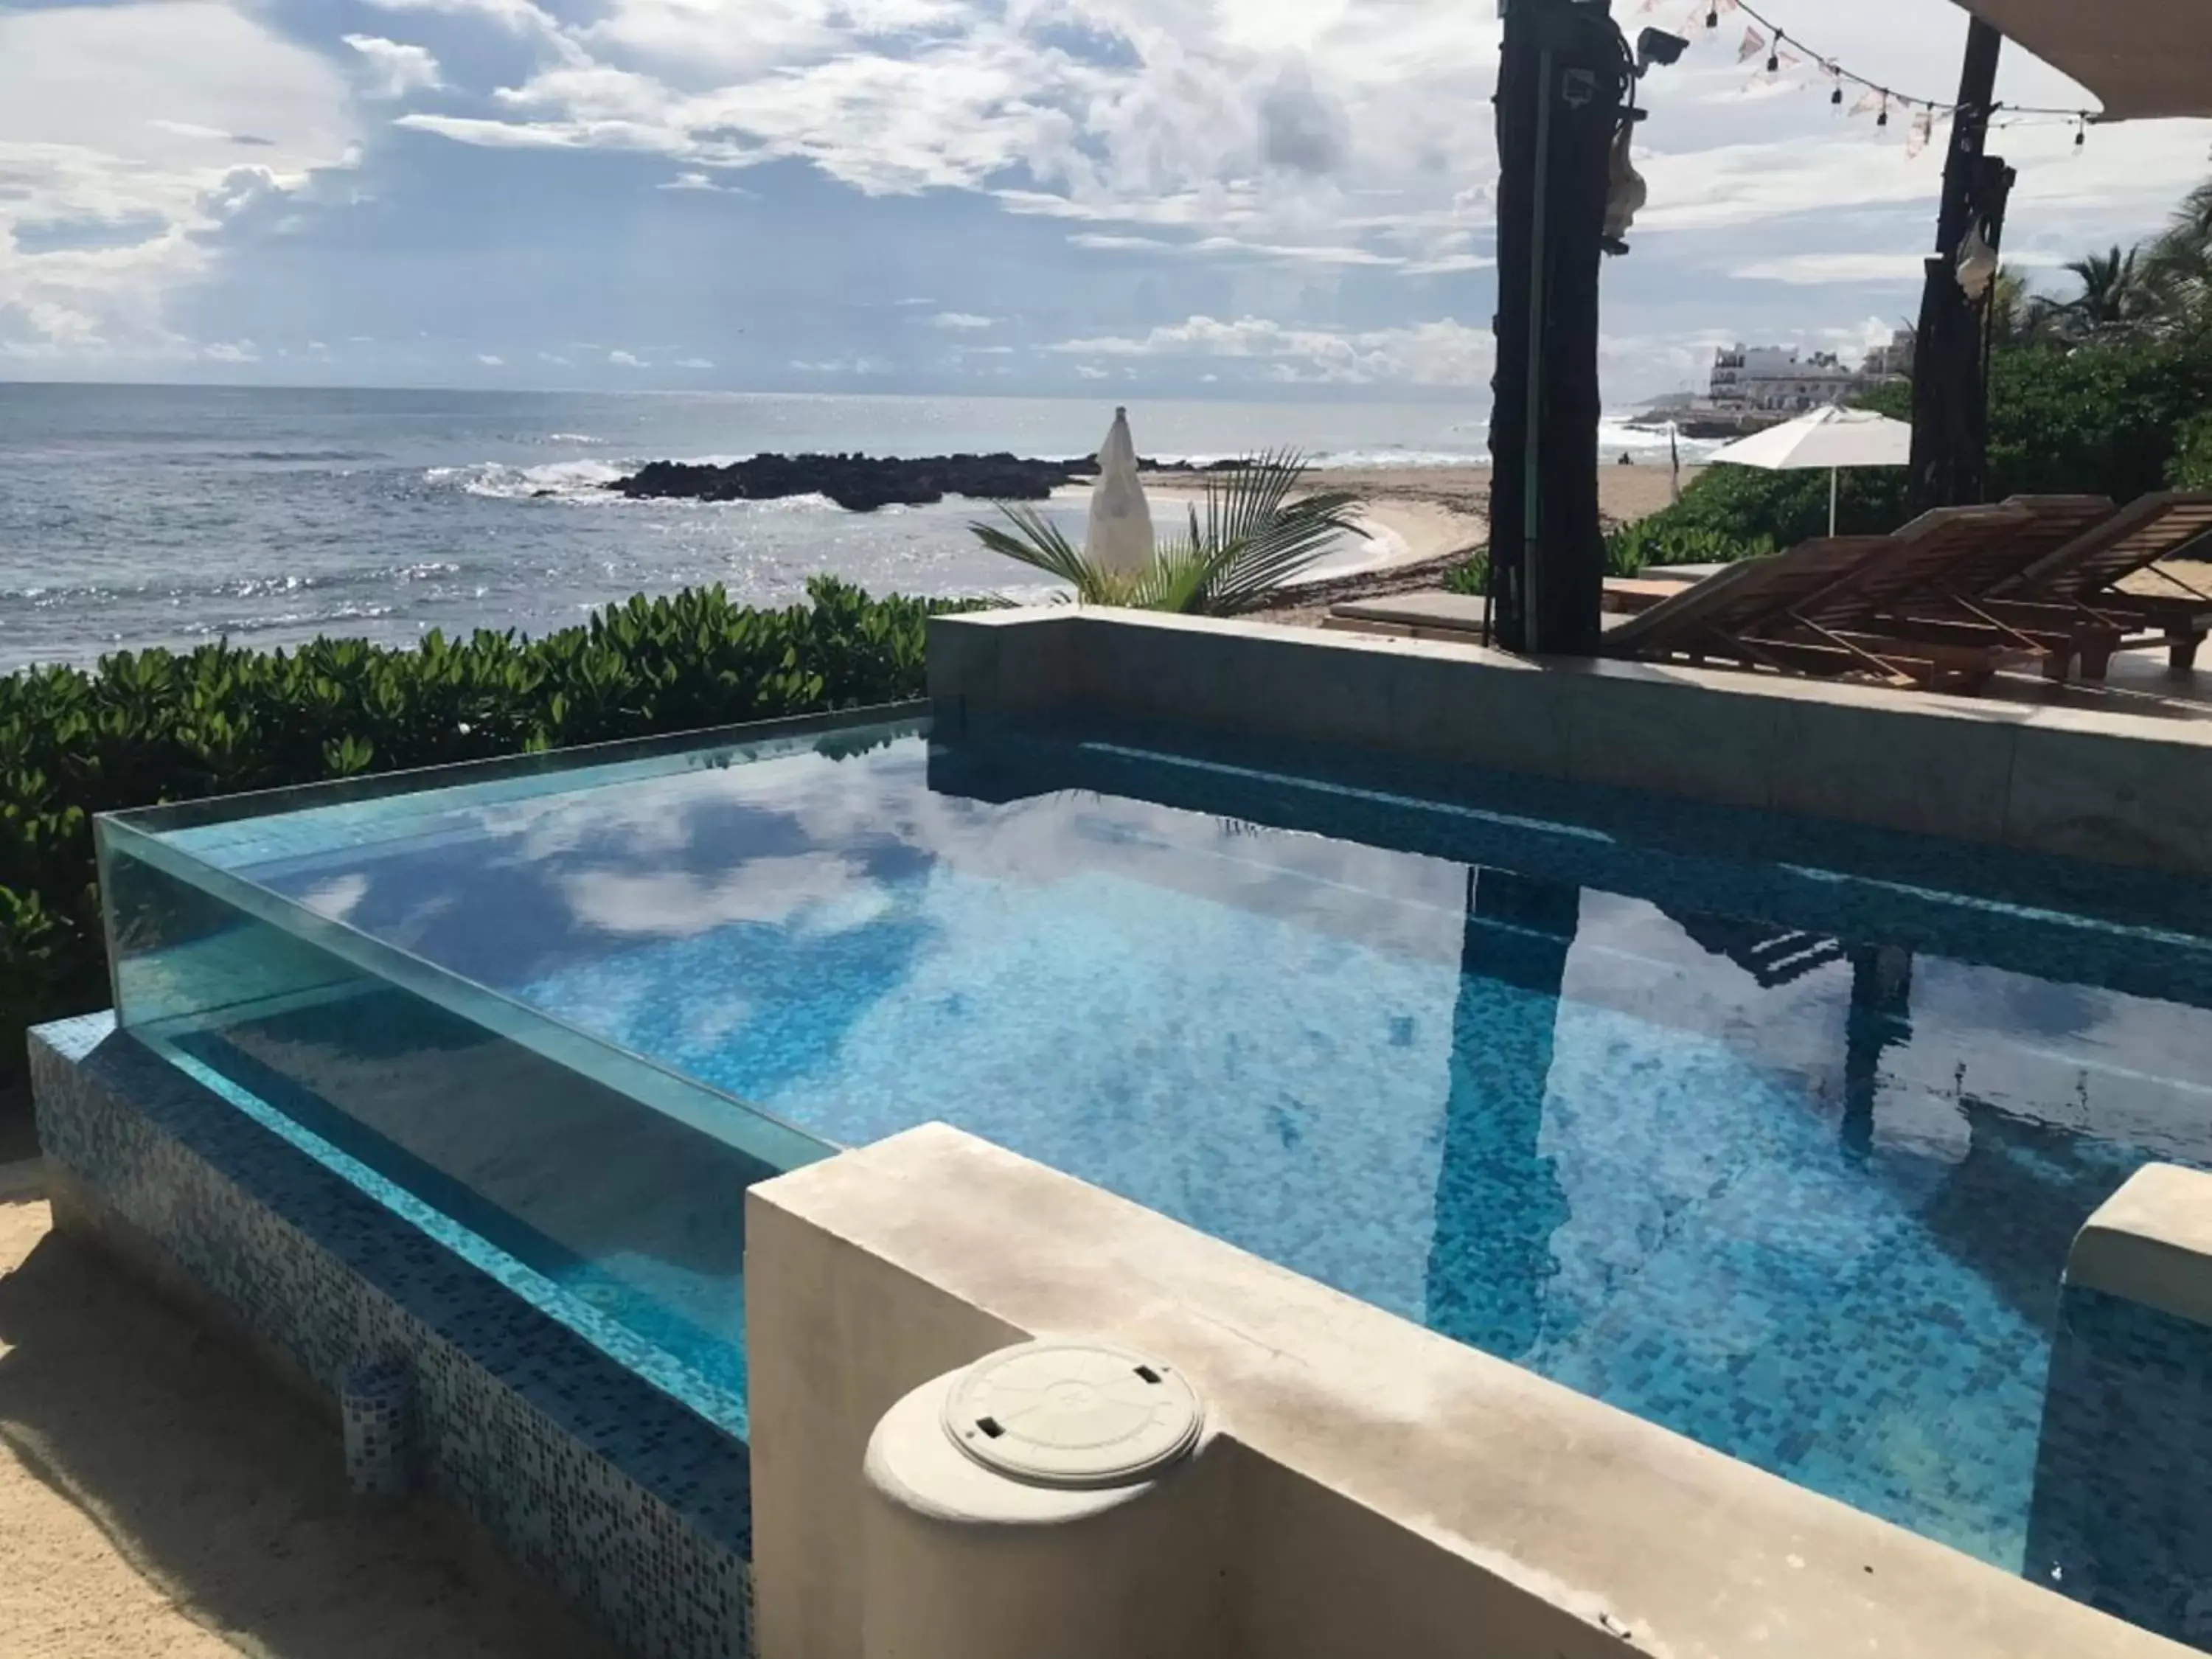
(1427, 513)
(161, 1498)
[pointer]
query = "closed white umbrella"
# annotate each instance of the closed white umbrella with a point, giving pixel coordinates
(1827, 439)
(1120, 539)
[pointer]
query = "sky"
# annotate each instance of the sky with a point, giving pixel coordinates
(1243, 198)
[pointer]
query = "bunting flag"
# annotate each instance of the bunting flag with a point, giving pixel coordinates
(1778, 62)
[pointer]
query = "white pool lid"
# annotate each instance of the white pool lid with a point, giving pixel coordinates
(1072, 1414)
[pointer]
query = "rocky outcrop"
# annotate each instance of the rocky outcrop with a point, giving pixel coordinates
(861, 483)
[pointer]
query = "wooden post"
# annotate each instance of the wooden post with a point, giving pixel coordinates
(1562, 85)
(1950, 391)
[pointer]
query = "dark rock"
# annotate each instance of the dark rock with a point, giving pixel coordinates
(860, 484)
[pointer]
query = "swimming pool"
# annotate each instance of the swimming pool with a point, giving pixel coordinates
(1772, 1133)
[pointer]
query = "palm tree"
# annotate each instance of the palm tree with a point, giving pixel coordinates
(2113, 294)
(2177, 267)
(2015, 314)
(1252, 538)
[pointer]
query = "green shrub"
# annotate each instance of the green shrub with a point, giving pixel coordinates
(152, 726)
(2192, 463)
(1471, 579)
(1629, 551)
(1657, 543)
(1742, 507)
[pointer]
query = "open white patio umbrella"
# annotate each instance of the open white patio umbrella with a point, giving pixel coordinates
(1120, 539)
(1827, 439)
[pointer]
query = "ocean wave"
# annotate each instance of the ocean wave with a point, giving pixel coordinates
(814, 503)
(1394, 457)
(584, 483)
(575, 438)
(320, 617)
(565, 481)
(194, 457)
(69, 595)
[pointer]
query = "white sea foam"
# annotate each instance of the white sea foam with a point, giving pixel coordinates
(1406, 458)
(566, 481)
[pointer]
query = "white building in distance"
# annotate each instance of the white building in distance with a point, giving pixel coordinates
(1775, 380)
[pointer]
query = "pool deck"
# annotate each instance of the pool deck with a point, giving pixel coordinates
(1388, 1490)
(2073, 774)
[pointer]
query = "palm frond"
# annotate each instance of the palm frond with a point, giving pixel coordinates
(1037, 541)
(1245, 540)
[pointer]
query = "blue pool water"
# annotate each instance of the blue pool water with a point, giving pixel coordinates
(1771, 1134)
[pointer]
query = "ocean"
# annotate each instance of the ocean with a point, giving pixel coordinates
(132, 516)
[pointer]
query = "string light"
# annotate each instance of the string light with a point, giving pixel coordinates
(2079, 118)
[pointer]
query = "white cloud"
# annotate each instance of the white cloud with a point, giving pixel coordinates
(843, 366)
(702, 182)
(1261, 158)
(490, 361)
(1313, 135)
(391, 70)
(694, 362)
(1450, 264)
(124, 130)
(1438, 354)
(625, 360)
(1230, 247)
(962, 319)
(1089, 371)
(231, 351)
(553, 357)
(519, 16)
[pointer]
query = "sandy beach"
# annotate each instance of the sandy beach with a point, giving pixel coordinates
(1418, 516)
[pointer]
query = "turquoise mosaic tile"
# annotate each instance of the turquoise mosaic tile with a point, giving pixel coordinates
(630, 1502)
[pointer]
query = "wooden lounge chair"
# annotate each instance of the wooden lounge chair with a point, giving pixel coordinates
(1821, 607)
(2053, 521)
(2077, 586)
(1454, 618)
(1973, 553)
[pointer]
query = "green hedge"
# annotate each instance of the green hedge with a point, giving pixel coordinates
(1630, 551)
(152, 726)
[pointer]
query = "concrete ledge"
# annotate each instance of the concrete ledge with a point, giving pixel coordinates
(2151, 1242)
(1392, 1492)
(2119, 788)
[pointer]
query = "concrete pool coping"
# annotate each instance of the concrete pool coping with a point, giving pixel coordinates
(2151, 1242)
(1389, 1491)
(2073, 783)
